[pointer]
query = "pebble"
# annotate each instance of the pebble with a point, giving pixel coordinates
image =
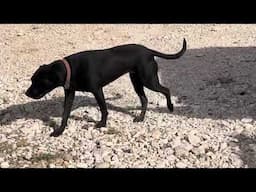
(156, 134)
(20, 34)
(102, 165)
(3, 138)
(176, 142)
(180, 151)
(28, 156)
(67, 157)
(194, 140)
(51, 165)
(4, 165)
(181, 165)
(82, 165)
(246, 120)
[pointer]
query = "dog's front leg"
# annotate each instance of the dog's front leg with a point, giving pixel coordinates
(99, 96)
(69, 98)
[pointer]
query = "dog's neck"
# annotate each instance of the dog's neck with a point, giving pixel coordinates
(68, 74)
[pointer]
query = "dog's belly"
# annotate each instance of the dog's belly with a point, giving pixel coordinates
(108, 78)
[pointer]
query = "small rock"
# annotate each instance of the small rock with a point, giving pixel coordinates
(67, 157)
(71, 166)
(102, 165)
(82, 165)
(252, 146)
(19, 34)
(223, 146)
(26, 130)
(160, 165)
(35, 27)
(193, 139)
(1, 159)
(51, 165)
(187, 145)
(4, 165)
(73, 153)
(180, 151)
(199, 55)
(171, 158)
(3, 138)
(28, 156)
(169, 151)
(202, 148)
(181, 165)
(247, 120)
(237, 131)
(156, 134)
(176, 142)
(98, 157)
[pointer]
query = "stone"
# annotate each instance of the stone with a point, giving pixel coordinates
(1, 159)
(102, 165)
(247, 120)
(28, 156)
(51, 165)
(67, 157)
(3, 138)
(156, 134)
(176, 142)
(4, 165)
(180, 151)
(82, 165)
(20, 34)
(181, 165)
(223, 146)
(194, 140)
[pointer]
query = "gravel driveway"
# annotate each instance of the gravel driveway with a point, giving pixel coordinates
(213, 87)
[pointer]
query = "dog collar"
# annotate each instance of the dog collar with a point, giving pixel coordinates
(68, 76)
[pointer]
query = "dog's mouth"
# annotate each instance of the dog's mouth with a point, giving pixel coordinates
(35, 96)
(38, 96)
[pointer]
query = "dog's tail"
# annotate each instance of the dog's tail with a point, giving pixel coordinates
(171, 56)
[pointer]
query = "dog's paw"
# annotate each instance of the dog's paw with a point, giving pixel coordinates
(138, 119)
(170, 107)
(100, 124)
(56, 133)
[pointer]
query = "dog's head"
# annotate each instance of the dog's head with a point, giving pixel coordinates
(45, 79)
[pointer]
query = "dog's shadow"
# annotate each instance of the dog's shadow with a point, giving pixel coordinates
(45, 109)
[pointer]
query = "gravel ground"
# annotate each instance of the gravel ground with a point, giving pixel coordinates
(213, 89)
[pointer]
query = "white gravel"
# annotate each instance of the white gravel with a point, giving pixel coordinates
(213, 87)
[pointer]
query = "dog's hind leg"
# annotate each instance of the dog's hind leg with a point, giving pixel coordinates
(99, 96)
(138, 87)
(151, 81)
(69, 98)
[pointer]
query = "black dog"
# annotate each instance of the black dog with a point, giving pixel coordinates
(91, 70)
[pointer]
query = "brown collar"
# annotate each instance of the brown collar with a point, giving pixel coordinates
(68, 70)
